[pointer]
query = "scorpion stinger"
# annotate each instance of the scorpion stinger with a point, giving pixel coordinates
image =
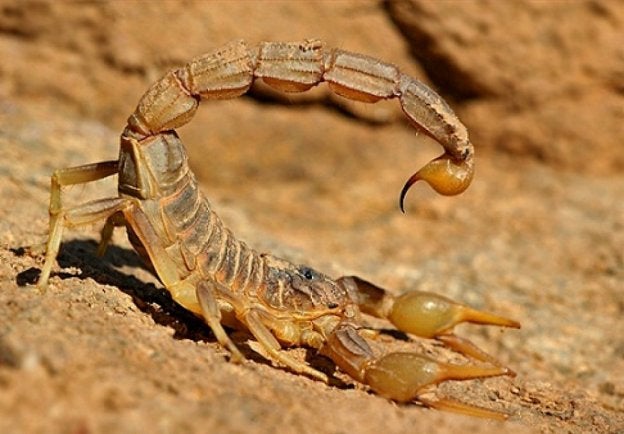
(445, 175)
(452, 172)
(211, 273)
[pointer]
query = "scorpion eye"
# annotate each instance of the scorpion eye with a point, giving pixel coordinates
(307, 273)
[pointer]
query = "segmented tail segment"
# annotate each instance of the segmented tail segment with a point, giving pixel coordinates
(296, 67)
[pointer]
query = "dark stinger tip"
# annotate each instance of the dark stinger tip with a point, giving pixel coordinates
(415, 177)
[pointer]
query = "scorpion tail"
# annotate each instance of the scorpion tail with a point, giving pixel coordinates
(446, 174)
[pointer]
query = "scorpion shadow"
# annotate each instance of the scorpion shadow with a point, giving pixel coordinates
(151, 299)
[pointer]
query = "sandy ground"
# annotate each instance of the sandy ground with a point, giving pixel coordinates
(539, 236)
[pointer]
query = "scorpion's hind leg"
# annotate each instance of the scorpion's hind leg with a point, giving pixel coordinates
(106, 234)
(83, 214)
(404, 377)
(426, 315)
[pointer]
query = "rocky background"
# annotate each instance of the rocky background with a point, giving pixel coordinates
(539, 236)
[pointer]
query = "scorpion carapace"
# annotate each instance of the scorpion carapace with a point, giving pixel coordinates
(211, 273)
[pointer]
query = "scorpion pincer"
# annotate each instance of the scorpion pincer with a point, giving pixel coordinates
(209, 272)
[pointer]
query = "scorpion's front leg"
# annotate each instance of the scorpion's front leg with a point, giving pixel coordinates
(425, 314)
(404, 376)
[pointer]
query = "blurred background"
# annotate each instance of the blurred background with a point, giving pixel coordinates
(539, 236)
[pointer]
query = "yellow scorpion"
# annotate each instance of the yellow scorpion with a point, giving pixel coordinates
(219, 278)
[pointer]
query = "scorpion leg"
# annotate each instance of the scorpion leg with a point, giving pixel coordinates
(211, 313)
(425, 314)
(106, 234)
(84, 214)
(255, 321)
(88, 213)
(404, 376)
(201, 298)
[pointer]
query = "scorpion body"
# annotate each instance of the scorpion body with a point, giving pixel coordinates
(209, 272)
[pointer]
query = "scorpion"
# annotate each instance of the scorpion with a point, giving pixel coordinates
(209, 272)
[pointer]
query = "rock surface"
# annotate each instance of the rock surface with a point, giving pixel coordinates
(538, 237)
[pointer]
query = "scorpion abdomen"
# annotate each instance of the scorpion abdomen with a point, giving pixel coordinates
(197, 241)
